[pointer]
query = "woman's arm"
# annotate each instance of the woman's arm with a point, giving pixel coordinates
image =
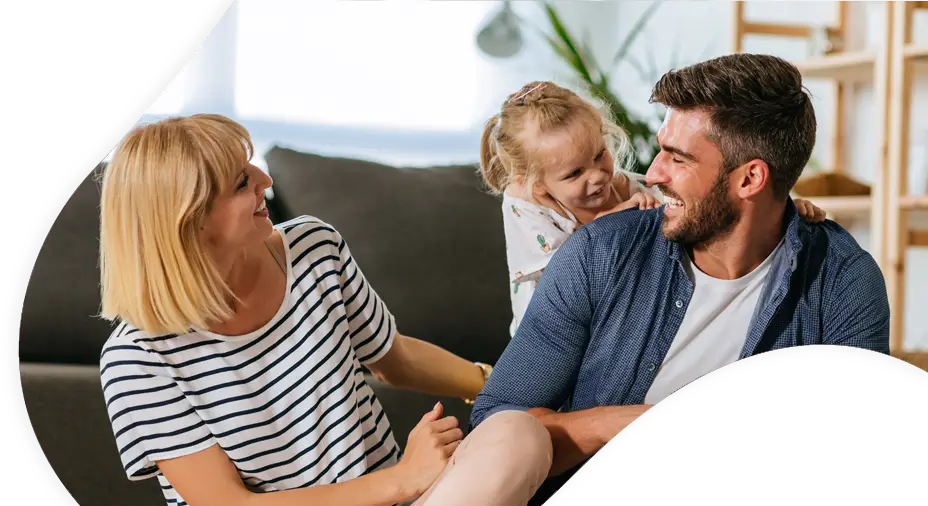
(424, 367)
(208, 477)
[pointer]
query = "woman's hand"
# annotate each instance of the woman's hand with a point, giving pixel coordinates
(809, 211)
(640, 200)
(428, 449)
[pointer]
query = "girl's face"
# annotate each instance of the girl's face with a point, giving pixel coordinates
(577, 167)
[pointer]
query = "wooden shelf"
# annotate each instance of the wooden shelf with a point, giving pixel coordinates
(797, 31)
(918, 238)
(856, 204)
(917, 358)
(849, 66)
(914, 203)
(916, 52)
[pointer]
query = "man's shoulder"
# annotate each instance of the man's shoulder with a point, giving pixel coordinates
(625, 238)
(626, 227)
(839, 253)
(833, 240)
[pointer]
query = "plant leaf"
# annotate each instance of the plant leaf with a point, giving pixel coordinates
(635, 31)
(568, 42)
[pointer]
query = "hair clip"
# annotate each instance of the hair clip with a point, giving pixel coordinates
(521, 98)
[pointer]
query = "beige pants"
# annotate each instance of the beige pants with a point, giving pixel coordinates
(501, 463)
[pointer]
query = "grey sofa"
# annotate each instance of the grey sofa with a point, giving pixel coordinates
(430, 241)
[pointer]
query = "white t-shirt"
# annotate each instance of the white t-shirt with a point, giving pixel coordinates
(288, 402)
(533, 234)
(714, 328)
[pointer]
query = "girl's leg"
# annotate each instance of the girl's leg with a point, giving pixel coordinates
(501, 463)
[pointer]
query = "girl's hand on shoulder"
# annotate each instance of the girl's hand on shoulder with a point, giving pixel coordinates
(809, 211)
(639, 200)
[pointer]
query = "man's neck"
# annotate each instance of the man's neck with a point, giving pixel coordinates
(745, 246)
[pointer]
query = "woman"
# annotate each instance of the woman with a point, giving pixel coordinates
(235, 376)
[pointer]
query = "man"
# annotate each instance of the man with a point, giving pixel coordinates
(639, 303)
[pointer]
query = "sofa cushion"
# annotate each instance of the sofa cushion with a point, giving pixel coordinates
(429, 240)
(66, 407)
(59, 322)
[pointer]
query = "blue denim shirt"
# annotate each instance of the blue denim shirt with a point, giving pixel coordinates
(612, 299)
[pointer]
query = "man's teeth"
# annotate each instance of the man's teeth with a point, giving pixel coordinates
(262, 207)
(672, 202)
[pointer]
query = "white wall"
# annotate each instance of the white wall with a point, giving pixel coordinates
(687, 25)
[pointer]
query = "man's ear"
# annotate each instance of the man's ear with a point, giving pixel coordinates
(751, 178)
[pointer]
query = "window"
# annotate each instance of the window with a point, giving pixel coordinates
(402, 65)
(396, 82)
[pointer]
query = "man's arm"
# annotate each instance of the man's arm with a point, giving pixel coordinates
(857, 308)
(578, 435)
(539, 368)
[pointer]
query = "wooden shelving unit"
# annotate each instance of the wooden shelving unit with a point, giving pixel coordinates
(889, 68)
(844, 70)
(907, 58)
(843, 67)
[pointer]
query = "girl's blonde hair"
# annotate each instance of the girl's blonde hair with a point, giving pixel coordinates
(156, 273)
(542, 107)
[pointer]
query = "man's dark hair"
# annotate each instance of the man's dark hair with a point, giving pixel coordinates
(758, 109)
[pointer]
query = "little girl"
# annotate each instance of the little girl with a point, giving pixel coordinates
(558, 162)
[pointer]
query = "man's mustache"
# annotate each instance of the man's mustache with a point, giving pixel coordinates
(668, 192)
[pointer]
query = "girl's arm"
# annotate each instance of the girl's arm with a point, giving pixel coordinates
(621, 184)
(424, 367)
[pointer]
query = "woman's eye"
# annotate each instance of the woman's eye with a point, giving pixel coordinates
(243, 184)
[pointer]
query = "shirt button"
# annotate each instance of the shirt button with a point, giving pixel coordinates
(679, 304)
(651, 367)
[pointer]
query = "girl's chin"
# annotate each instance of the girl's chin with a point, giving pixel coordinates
(598, 203)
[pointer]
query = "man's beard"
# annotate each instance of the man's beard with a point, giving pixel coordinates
(712, 216)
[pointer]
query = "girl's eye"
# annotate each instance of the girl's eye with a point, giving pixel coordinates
(600, 155)
(243, 184)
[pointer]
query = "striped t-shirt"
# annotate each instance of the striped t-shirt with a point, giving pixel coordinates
(287, 403)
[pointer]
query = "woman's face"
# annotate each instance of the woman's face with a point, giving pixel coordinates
(578, 169)
(239, 216)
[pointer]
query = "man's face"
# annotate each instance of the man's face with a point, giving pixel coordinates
(689, 172)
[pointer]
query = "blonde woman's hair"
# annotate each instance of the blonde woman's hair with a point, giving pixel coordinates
(506, 150)
(156, 273)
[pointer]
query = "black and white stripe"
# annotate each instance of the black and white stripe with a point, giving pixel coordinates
(288, 403)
